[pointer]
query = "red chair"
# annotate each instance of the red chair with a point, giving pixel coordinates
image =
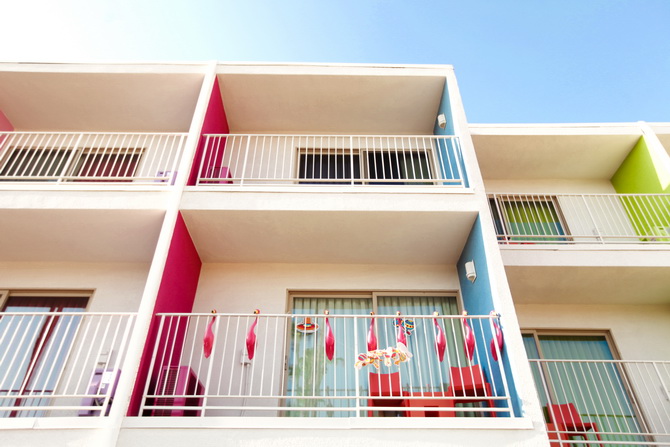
(565, 417)
(470, 382)
(385, 385)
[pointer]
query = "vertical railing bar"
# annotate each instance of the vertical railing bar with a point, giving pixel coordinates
(237, 332)
(210, 364)
(244, 162)
(43, 339)
(88, 350)
(598, 234)
(152, 363)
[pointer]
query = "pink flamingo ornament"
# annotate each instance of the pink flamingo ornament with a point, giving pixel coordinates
(469, 340)
(440, 339)
(400, 337)
(330, 339)
(208, 339)
(251, 337)
(372, 337)
(497, 339)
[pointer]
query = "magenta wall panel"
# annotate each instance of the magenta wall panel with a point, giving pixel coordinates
(5, 124)
(176, 294)
(215, 122)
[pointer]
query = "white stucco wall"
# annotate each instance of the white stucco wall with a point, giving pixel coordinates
(555, 186)
(117, 287)
(640, 332)
(244, 287)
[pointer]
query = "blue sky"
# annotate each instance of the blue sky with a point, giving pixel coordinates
(516, 61)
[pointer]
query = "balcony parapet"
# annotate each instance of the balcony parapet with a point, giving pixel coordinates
(80, 158)
(202, 366)
(568, 219)
(61, 363)
(614, 401)
(344, 160)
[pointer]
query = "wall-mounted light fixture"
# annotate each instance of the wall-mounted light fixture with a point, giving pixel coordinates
(470, 271)
(442, 120)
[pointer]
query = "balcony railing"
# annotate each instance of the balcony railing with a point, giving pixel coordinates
(622, 402)
(60, 363)
(292, 375)
(109, 158)
(332, 160)
(581, 218)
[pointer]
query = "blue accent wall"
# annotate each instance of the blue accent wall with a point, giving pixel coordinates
(477, 300)
(450, 152)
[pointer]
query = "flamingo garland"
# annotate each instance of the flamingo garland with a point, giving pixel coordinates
(208, 339)
(330, 339)
(251, 337)
(469, 340)
(372, 337)
(440, 339)
(497, 342)
(400, 333)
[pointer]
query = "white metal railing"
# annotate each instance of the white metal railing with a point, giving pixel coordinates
(291, 375)
(331, 160)
(581, 218)
(624, 402)
(60, 363)
(109, 157)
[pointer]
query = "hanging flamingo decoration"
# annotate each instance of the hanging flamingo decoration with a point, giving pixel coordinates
(208, 339)
(400, 337)
(372, 337)
(330, 339)
(251, 337)
(497, 341)
(469, 340)
(440, 339)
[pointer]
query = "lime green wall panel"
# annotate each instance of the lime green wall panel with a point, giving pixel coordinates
(643, 172)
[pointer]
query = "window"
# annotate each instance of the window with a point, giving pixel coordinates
(388, 167)
(34, 164)
(310, 374)
(36, 338)
(578, 369)
(527, 219)
(107, 163)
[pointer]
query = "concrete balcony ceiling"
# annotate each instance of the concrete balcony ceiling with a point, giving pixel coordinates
(354, 100)
(99, 101)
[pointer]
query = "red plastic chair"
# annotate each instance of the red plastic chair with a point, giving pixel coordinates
(566, 418)
(470, 382)
(385, 385)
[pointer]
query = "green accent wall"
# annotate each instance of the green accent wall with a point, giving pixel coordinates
(643, 172)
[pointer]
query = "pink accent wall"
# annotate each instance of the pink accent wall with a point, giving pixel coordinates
(215, 122)
(5, 124)
(176, 294)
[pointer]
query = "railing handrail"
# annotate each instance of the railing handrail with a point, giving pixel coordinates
(86, 132)
(321, 315)
(572, 194)
(223, 135)
(597, 361)
(11, 313)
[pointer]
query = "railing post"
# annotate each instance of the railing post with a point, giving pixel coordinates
(210, 366)
(73, 153)
(357, 373)
(159, 334)
(595, 224)
(351, 158)
(244, 164)
(660, 379)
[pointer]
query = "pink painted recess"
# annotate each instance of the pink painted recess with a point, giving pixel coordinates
(176, 294)
(215, 122)
(5, 126)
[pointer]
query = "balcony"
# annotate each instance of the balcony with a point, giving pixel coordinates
(342, 160)
(613, 401)
(290, 373)
(61, 363)
(83, 158)
(581, 218)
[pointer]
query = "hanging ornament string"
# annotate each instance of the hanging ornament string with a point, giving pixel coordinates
(440, 338)
(251, 337)
(372, 337)
(497, 342)
(330, 338)
(400, 330)
(208, 339)
(469, 337)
